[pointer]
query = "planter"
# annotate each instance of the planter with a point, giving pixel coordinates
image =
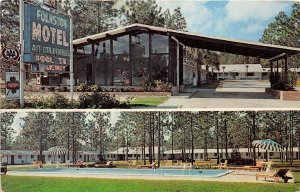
(284, 95)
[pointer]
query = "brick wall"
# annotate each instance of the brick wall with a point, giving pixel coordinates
(284, 95)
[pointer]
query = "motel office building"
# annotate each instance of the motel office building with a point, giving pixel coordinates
(135, 54)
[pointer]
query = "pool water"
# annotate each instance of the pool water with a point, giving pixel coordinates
(124, 171)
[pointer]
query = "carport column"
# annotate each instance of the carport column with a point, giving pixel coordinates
(285, 68)
(177, 65)
(177, 62)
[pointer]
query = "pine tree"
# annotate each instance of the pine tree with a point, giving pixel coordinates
(6, 120)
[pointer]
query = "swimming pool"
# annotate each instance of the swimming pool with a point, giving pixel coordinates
(208, 173)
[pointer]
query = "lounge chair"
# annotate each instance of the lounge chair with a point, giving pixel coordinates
(109, 164)
(276, 175)
(79, 164)
(258, 167)
(152, 165)
(221, 165)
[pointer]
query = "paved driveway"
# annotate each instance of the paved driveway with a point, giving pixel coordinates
(248, 94)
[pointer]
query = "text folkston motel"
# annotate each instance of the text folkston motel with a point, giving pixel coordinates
(46, 38)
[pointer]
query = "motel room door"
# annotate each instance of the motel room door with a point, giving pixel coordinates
(12, 159)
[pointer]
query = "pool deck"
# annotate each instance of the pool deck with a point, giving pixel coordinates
(235, 176)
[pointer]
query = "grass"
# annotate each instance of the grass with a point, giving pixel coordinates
(148, 101)
(52, 184)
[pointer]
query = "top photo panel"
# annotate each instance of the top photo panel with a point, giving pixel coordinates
(150, 54)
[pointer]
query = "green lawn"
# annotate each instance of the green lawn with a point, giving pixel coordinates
(53, 184)
(148, 101)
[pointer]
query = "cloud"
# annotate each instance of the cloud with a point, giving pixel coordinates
(253, 10)
(253, 28)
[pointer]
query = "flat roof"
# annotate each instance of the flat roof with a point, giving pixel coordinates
(247, 48)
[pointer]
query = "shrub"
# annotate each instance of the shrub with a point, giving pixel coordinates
(97, 100)
(9, 104)
(53, 102)
(279, 82)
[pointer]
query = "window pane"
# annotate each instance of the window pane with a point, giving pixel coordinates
(121, 45)
(83, 59)
(102, 66)
(121, 72)
(140, 46)
(160, 43)
(159, 67)
(140, 70)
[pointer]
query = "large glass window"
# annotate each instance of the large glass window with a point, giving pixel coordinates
(102, 65)
(140, 57)
(121, 69)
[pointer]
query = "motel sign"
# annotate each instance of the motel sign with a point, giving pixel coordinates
(46, 37)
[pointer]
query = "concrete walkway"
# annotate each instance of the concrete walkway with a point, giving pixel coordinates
(246, 94)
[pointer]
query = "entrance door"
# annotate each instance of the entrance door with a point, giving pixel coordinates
(12, 160)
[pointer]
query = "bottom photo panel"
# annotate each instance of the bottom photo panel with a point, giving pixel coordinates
(124, 150)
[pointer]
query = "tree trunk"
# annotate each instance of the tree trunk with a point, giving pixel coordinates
(254, 136)
(217, 130)
(192, 135)
(226, 139)
(159, 140)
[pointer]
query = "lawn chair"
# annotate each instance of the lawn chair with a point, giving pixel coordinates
(79, 164)
(221, 165)
(109, 164)
(152, 165)
(276, 175)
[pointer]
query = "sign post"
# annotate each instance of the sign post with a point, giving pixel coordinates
(22, 72)
(71, 60)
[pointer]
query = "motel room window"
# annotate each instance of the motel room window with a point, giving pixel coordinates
(236, 74)
(121, 57)
(247, 154)
(58, 156)
(20, 156)
(32, 156)
(49, 156)
(250, 74)
(80, 156)
(215, 154)
(271, 153)
(130, 155)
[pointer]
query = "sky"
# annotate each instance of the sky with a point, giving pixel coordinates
(233, 19)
